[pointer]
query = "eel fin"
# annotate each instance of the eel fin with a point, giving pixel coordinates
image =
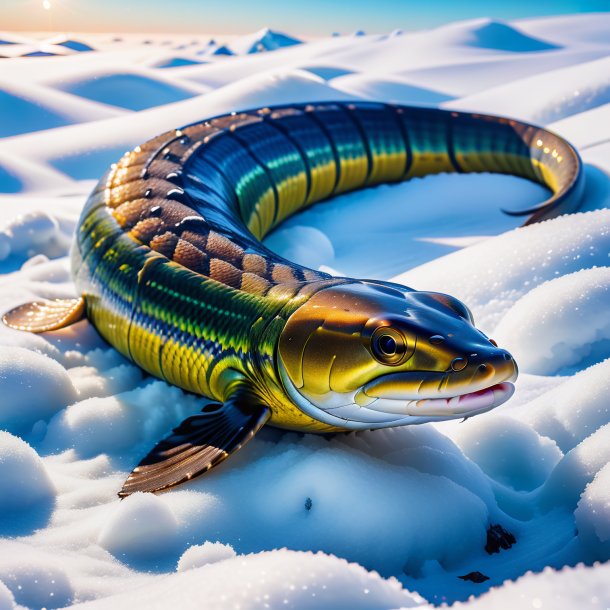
(198, 444)
(42, 316)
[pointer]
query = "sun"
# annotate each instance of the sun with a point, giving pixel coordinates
(46, 5)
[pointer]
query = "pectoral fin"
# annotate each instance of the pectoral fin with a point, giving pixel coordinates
(198, 444)
(42, 316)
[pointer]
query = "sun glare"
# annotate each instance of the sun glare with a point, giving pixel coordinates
(46, 5)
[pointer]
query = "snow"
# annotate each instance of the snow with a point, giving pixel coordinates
(505, 268)
(40, 108)
(270, 580)
(133, 90)
(493, 34)
(175, 62)
(375, 520)
(33, 387)
(24, 481)
(593, 515)
(573, 410)
(567, 589)
(16, 45)
(7, 601)
(572, 328)
(263, 40)
(75, 45)
(509, 451)
(34, 233)
(549, 97)
(203, 554)
(392, 89)
(143, 527)
(34, 579)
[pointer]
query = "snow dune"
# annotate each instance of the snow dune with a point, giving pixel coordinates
(374, 520)
(392, 89)
(15, 45)
(494, 35)
(39, 108)
(549, 97)
(133, 90)
(263, 40)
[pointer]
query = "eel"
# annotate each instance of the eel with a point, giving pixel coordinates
(171, 271)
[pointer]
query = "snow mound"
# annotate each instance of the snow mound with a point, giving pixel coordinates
(7, 601)
(571, 328)
(20, 175)
(200, 555)
(117, 423)
(593, 515)
(34, 233)
(494, 35)
(575, 409)
(573, 30)
(509, 451)
(275, 87)
(33, 387)
(142, 526)
(576, 469)
(32, 116)
(567, 589)
(60, 45)
(470, 78)
(15, 38)
(24, 482)
(277, 579)
(387, 89)
(127, 89)
(76, 45)
(41, 54)
(261, 41)
(327, 72)
(548, 97)
(493, 275)
(40, 108)
(91, 382)
(174, 62)
(220, 50)
(34, 578)
(377, 482)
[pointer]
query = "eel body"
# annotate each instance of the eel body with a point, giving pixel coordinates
(169, 262)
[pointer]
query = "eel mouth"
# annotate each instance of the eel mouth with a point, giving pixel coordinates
(465, 404)
(484, 385)
(446, 407)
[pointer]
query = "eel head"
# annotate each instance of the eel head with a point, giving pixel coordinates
(374, 354)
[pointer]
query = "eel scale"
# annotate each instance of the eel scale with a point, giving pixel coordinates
(172, 272)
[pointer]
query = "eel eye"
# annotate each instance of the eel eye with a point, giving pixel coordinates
(388, 345)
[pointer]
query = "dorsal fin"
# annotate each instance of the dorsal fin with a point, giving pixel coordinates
(42, 316)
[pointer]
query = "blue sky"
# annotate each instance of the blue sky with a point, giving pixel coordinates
(309, 17)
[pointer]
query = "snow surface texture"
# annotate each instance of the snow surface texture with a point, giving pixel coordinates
(354, 521)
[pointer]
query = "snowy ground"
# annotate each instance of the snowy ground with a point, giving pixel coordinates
(355, 521)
